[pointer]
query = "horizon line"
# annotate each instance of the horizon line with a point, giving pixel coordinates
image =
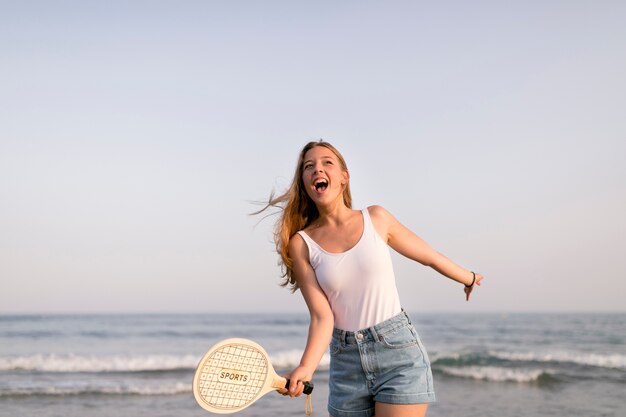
(293, 312)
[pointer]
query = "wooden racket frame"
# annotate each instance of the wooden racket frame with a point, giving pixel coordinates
(272, 381)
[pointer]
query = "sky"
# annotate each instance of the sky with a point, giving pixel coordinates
(136, 137)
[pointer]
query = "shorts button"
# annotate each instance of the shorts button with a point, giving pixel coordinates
(359, 337)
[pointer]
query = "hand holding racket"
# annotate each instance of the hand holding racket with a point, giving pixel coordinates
(233, 374)
(297, 376)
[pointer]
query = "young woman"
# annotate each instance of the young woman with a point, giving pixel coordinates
(339, 260)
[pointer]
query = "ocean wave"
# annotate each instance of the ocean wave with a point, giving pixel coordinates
(609, 361)
(282, 360)
(290, 359)
(77, 363)
(173, 388)
(613, 361)
(494, 373)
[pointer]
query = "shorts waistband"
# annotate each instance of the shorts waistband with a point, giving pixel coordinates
(373, 333)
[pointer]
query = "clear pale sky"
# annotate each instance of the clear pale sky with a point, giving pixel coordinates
(134, 136)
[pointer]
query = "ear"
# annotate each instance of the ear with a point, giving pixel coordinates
(346, 177)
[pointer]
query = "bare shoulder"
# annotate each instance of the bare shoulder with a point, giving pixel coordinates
(298, 248)
(382, 220)
(303, 272)
(380, 215)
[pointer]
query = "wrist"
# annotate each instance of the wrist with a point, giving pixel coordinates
(307, 368)
(473, 280)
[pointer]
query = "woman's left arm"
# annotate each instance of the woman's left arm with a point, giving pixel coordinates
(408, 244)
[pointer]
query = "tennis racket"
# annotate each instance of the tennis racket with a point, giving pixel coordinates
(235, 373)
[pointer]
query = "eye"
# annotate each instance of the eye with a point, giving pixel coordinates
(328, 162)
(308, 165)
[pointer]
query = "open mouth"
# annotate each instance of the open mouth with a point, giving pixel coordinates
(320, 184)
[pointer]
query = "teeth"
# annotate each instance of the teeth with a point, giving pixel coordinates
(320, 184)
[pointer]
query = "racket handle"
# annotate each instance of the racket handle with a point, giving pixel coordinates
(308, 386)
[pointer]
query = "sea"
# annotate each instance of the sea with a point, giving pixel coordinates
(496, 364)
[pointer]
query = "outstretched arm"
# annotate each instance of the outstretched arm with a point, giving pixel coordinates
(322, 320)
(408, 244)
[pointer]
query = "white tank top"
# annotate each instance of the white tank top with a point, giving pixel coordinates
(359, 283)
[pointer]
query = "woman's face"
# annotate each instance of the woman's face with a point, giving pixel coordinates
(323, 176)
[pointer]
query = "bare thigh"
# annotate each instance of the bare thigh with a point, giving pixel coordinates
(400, 410)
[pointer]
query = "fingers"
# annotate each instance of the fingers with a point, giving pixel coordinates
(468, 290)
(294, 387)
(478, 279)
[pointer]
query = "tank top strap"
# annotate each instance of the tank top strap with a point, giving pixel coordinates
(307, 239)
(304, 235)
(368, 225)
(367, 220)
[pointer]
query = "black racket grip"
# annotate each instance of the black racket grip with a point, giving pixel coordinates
(308, 386)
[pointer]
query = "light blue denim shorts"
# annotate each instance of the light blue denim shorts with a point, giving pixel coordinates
(385, 363)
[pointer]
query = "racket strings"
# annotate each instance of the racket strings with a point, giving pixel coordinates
(233, 376)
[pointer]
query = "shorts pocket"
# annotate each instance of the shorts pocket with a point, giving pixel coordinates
(423, 349)
(335, 347)
(399, 338)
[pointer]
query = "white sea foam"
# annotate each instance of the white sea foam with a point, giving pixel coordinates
(290, 359)
(615, 360)
(494, 373)
(172, 388)
(77, 363)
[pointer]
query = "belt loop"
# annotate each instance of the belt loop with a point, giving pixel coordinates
(407, 316)
(374, 333)
(344, 338)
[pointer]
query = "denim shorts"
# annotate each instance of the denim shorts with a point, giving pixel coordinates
(385, 363)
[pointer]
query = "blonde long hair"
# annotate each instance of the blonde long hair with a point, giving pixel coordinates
(297, 211)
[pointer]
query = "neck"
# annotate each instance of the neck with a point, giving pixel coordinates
(335, 213)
